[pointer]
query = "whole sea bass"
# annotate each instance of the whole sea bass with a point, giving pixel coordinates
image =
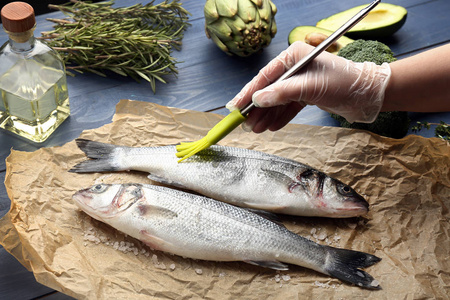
(238, 176)
(202, 228)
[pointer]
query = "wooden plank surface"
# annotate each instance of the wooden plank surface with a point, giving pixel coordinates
(199, 86)
(207, 79)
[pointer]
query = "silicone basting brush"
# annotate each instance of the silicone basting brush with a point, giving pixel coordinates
(237, 117)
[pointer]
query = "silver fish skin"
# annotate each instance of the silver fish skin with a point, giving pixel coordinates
(242, 177)
(202, 228)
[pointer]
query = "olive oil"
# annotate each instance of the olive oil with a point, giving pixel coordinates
(35, 109)
(34, 99)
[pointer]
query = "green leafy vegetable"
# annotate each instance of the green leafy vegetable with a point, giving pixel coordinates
(441, 131)
(393, 124)
(240, 27)
(366, 50)
(135, 41)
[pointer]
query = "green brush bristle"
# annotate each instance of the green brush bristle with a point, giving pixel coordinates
(183, 146)
(186, 150)
(218, 132)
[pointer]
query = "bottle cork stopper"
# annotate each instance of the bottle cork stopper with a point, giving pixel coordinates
(18, 17)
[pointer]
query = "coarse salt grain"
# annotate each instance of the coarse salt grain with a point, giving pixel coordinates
(352, 225)
(325, 285)
(116, 245)
(322, 236)
(199, 271)
(157, 263)
(155, 259)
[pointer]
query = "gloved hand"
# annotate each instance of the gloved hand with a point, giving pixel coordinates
(335, 84)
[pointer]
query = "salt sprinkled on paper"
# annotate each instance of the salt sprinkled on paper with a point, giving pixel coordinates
(325, 285)
(283, 277)
(317, 234)
(90, 235)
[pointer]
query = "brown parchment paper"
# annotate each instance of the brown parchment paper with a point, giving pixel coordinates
(406, 182)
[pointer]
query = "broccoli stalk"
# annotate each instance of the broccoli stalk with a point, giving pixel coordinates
(394, 124)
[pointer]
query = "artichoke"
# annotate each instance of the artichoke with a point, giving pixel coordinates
(240, 27)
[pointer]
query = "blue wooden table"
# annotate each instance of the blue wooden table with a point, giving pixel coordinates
(207, 80)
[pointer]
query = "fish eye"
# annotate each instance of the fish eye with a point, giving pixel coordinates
(99, 188)
(344, 190)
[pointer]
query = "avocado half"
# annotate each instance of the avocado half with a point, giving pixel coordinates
(299, 34)
(384, 20)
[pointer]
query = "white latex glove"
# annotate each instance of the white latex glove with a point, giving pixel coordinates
(352, 90)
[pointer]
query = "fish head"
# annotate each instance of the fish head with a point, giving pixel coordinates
(330, 196)
(341, 200)
(104, 201)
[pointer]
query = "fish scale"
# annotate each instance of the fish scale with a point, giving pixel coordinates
(198, 227)
(241, 177)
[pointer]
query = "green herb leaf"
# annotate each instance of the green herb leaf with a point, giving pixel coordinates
(135, 41)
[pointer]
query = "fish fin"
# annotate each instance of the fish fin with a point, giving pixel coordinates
(101, 154)
(94, 149)
(271, 264)
(93, 166)
(153, 241)
(155, 211)
(266, 215)
(344, 264)
(164, 180)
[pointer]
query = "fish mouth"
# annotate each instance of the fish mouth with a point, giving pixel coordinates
(354, 208)
(360, 202)
(83, 200)
(82, 196)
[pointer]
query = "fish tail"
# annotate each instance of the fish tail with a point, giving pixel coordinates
(345, 265)
(101, 154)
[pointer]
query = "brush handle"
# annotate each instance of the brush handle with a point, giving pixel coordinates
(320, 48)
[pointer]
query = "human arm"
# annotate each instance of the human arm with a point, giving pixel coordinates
(420, 83)
(353, 90)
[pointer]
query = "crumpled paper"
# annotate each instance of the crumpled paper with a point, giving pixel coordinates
(406, 182)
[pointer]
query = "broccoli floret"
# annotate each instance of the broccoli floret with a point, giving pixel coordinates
(394, 124)
(362, 50)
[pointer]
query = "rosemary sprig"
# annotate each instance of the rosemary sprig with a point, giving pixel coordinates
(135, 41)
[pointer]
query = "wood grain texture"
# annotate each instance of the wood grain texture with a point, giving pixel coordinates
(207, 79)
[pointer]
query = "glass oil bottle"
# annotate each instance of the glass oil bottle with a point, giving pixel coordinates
(34, 99)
